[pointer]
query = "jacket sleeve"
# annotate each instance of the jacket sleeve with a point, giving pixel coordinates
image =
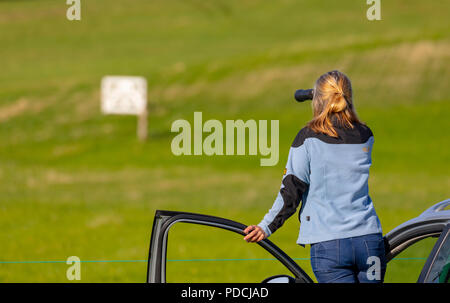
(294, 184)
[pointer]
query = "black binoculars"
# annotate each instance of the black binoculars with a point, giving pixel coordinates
(304, 94)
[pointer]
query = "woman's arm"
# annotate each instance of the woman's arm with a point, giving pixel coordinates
(295, 183)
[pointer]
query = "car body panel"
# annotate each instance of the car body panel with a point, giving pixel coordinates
(428, 224)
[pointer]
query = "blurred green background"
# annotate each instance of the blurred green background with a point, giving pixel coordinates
(76, 183)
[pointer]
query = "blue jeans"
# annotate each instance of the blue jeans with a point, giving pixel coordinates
(351, 260)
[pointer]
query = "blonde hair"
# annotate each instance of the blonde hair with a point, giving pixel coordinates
(332, 101)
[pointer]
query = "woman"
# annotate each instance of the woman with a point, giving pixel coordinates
(328, 170)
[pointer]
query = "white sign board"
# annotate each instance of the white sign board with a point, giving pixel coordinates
(124, 95)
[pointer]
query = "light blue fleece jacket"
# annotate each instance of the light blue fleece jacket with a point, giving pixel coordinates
(330, 176)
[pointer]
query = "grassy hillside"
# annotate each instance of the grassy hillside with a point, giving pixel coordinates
(75, 182)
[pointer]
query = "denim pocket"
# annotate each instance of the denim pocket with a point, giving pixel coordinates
(325, 256)
(375, 248)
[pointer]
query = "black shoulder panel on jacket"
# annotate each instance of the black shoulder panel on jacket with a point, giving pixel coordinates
(359, 134)
(304, 133)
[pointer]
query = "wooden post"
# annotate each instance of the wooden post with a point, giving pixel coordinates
(142, 126)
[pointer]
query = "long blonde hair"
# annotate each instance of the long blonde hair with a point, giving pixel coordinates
(332, 100)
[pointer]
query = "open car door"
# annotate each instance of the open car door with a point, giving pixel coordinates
(165, 220)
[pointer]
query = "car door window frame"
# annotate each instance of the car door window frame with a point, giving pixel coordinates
(432, 258)
(164, 220)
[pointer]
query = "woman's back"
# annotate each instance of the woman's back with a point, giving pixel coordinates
(337, 203)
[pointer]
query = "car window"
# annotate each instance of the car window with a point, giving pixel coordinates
(407, 265)
(440, 268)
(198, 253)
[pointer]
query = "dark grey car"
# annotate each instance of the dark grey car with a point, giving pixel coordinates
(434, 222)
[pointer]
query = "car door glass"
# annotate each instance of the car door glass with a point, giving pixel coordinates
(441, 266)
(198, 253)
(407, 265)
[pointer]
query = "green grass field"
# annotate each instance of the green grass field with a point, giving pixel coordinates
(76, 183)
